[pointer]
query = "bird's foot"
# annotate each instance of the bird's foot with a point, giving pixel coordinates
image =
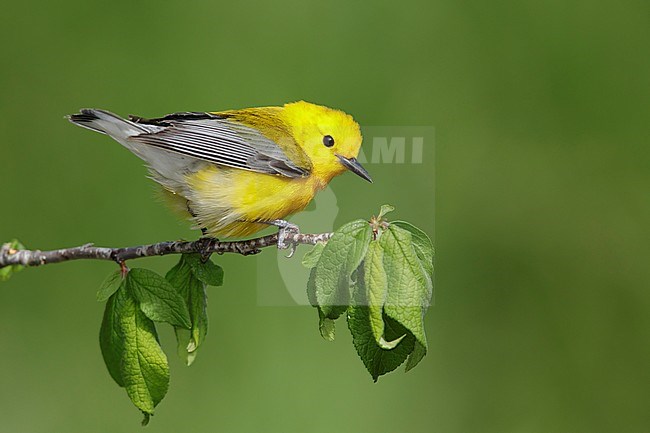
(285, 231)
(205, 248)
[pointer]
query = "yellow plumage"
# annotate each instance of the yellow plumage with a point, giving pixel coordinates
(227, 201)
(237, 171)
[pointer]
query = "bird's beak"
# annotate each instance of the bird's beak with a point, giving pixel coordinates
(354, 166)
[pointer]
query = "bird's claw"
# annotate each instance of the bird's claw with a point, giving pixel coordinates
(286, 230)
(206, 244)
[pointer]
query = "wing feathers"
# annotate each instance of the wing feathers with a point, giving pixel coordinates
(220, 141)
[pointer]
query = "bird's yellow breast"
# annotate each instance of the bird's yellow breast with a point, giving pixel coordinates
(229, 202)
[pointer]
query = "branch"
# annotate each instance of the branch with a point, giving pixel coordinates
(204, 246)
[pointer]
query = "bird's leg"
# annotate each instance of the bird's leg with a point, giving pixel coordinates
(204, 231)
(206, 240)
(285, 229)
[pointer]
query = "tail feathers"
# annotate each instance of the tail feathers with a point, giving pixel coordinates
(108, 123)
(167, 168)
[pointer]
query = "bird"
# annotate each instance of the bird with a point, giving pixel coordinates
(236, 172)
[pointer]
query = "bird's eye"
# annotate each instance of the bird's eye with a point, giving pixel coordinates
(328, 141)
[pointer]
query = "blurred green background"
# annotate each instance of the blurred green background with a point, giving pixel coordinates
(540, 184)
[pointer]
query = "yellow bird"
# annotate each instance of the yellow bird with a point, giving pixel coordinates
(236, 172)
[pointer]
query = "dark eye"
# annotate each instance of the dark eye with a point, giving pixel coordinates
(328, 141)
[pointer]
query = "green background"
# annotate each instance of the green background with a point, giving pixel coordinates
(540, 184)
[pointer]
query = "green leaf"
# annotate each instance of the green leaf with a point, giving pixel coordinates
(208, 272)
(109, 285)
(376, 285)
(327, 327)
(198, 303)
(425, 252)
(158, 299)
(183, 277)
(311, 288)
(111, 337)
(131, 351)
(422, 244)
(409, 287)
(145, 372)
(179, 275)
(378, 361)
(416, 356)
(339, 259)
(310, 259)
(8, 271)
(385, 209)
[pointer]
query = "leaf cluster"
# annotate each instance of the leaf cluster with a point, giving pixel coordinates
(135, 301)
(380, 274)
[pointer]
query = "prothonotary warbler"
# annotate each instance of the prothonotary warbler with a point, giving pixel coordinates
(236, 172)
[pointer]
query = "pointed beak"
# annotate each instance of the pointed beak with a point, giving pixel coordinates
(354, 166)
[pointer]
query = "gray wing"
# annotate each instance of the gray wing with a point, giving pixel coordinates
(222, 142)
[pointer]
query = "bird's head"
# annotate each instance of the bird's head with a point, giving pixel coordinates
(330, 138)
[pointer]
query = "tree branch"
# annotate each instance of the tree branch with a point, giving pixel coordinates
(205, 246)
